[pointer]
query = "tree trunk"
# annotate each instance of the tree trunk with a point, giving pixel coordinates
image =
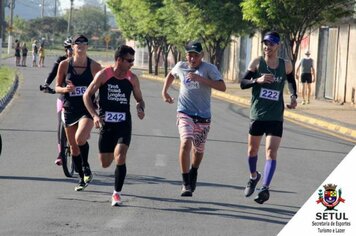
(157, 56)
(149, 49)
(219, 57)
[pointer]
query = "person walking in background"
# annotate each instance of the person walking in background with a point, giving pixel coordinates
(17, 52)
(41, 54)
(24, 51)
(73, 78)
(307, 76)
(193, 113)
(114, 116)
(34, 53)
(266, 76)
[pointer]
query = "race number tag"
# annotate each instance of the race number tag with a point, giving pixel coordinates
(78, 91)
(269, 94)
(115, 117)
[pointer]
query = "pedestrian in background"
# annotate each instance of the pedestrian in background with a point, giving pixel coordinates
(307, 76)
(41, 54)
(197, 78)
(24, 51)
(114, 118)
(17, 52)
(266, 76)
(34, 53)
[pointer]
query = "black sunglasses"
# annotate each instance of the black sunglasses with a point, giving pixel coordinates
(129, 60)
(81, 43)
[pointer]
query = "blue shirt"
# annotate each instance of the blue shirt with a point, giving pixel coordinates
(194, 97)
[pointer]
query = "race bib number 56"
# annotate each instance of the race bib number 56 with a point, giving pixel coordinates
(269, 94)
(78, 91)
(115, 117)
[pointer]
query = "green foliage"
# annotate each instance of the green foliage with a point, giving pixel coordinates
(293, 18)
(136, 19)
(89, 20)
(175, 22)
(45, 27)
(7, 76)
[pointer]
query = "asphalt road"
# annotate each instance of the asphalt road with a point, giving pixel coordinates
(36, 198)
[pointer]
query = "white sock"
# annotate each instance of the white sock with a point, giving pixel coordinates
(253, 178)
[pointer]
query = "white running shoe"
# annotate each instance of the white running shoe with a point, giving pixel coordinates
(116, 199)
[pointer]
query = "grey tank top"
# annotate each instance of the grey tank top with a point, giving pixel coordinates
(306, 65)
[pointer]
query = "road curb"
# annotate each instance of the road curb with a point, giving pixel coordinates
(6, 99)
(298, 118)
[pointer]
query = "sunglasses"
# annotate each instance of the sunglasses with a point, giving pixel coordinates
(268, 43)
(129, 60)
(81, 43)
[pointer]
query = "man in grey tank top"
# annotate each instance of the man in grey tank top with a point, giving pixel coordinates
(307, 77)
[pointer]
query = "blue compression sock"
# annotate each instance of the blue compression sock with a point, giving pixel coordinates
(270, 167)
(252, 163)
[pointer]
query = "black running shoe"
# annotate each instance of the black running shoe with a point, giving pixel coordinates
(251, 185)
(81, 186)
(193, 180)
(186, 191)
(263, 195)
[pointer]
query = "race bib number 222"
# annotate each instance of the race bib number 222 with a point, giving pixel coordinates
(269, 94)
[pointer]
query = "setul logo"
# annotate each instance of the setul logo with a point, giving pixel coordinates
(330, 198)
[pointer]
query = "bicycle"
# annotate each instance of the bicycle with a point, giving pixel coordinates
(65, 154)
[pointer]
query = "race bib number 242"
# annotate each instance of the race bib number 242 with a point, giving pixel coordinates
(115, 117)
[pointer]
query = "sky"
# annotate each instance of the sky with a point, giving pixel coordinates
(65, 4)
(29, 9)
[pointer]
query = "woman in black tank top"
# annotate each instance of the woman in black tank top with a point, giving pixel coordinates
(73, 77)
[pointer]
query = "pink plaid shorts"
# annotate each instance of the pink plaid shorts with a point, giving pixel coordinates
(188, 129)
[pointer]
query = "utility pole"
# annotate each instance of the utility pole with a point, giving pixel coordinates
(105, 14)
(3, 23)
(70, 19)
(55, 8)
(12, 6)
(42, 9)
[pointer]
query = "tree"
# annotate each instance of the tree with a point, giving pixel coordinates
(219, 21)
(293, 18)
(46, 27)
(90, 21)
(137, 19)
(19, 27)
(182, 23)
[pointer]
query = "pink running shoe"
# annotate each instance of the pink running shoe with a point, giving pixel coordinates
(58, 161)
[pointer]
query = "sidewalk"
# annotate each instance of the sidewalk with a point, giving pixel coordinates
(326, 116)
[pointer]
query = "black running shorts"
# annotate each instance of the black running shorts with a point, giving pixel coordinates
(306, 78)
(259, 128)
(71, 117)
(113, 134)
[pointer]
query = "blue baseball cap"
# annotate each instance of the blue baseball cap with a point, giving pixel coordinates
(271, 37)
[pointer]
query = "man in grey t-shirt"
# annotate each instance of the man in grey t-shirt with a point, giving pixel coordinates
(193, 111)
